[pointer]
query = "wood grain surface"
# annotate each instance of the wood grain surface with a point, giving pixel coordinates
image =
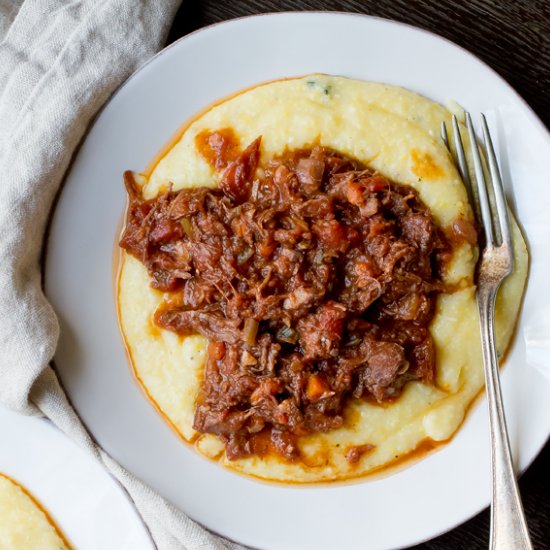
(513, 37)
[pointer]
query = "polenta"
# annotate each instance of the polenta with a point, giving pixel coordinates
(394, 133)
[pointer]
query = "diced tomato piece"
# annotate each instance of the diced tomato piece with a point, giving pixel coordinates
(331, 234)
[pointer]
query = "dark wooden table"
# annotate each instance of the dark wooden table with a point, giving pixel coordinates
(513, 37)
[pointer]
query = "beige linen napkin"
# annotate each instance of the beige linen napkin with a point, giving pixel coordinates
(60, 60)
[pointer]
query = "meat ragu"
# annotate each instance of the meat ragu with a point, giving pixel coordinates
(314, 280)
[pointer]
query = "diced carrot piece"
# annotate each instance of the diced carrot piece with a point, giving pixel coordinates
(354, 193)
(316, 387)
(216, 350)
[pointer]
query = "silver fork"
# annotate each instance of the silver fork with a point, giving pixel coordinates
(508, 525)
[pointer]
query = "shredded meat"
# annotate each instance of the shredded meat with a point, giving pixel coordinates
(314, 283)
(354, 454)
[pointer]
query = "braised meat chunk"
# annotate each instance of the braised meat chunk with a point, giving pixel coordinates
(314, 280)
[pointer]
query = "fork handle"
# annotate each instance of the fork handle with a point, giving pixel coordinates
(508, 525)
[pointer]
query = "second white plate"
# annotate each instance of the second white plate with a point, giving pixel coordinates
(89, 507)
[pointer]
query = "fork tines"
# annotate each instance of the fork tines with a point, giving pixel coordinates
(496, 224)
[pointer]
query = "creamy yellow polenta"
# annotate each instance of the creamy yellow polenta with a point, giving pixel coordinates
(391, 130)
(23, 524)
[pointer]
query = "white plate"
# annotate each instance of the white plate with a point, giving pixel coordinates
(91, 510)
(420, 502)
